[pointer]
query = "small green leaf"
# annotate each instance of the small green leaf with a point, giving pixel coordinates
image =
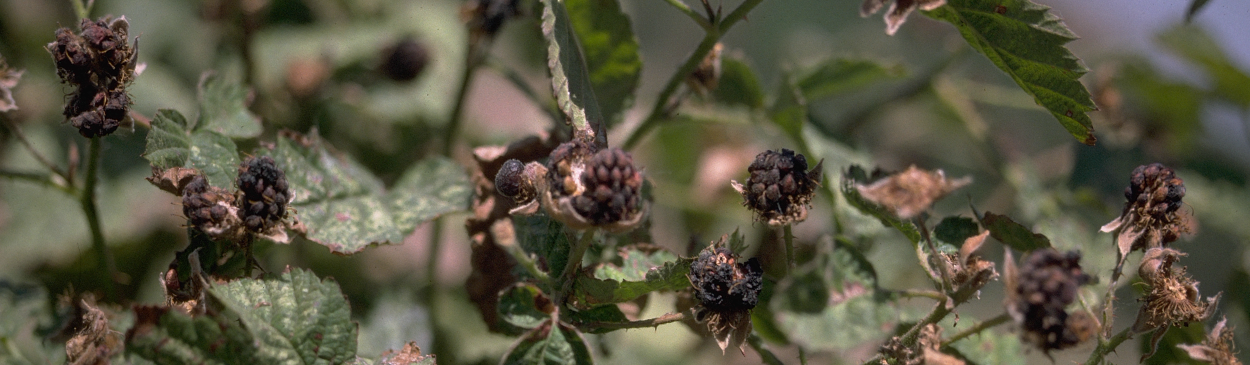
(738, 85)
(1194, 45)
(545, 238)
(1013, 234)
(519, 306)
(669, 275)
(223, 108)
(838, 75)
(1026, 41)
(789, 111)
(171, 144)
(570, 80)
(954, 230)
(433, 187)
(855, 174)
(611, 52)
(545, 345)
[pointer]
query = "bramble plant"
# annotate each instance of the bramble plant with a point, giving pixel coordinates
(330, 190)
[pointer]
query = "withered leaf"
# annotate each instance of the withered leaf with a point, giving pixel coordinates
(899, 10)
(910, 192)
(8, 80)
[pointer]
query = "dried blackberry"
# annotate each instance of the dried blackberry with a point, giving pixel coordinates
(508, 181)
(1151, 216)
(613, 188)
(263, 194)
(99, 64)
(204, 205)
(722, 283)
(405, 60)
(780, 187)
(1047, 283)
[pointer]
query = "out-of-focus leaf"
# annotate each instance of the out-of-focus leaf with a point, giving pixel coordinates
(988, 348)
(545, 238)
(611, 54)
(1168, 353)
(851, 267)
(855, 174)
(1174, 105)
(804, 292)
(839, 75)
(1012, 234)
(223, 108)
(1026, 41)
(431, 188)
(570, 80)
(547, 345)
(339, 202)
(840, 326)
(522, 306)
(24, 307)
(789, 111)
(173, 143)
(294, 318)
(1194, 45)
(738, 85)
(670, 275)
(954, 229)
(602, 314)
(1194, 7)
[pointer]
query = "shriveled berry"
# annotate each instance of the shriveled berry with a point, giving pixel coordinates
(1048, 282)
(263, 194)
(780, 186)
(613, 188)
(560, 166)
(98, 63)
(508, 179)
(724, 284)
(200, 204)
(405, 60)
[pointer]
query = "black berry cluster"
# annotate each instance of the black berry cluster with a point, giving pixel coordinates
(613, 188)
(200, 204)
(405, 60)
(722, 283)
(99, 63)
(1048, 282)
(780, 185)
(263, 194)
(1155, 193)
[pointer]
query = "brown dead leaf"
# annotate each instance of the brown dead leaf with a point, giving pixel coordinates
(908, 193)
(172, 180)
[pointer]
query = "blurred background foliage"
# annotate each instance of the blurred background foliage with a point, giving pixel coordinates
(1182, 97)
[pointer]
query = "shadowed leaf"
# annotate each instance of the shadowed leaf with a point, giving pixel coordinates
(570, 80)
(1012, 234)
(611, 53)
(839, 75)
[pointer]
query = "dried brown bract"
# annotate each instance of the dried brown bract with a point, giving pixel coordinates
(968, 268)
(1217, 348)
(93, 343)
(409, 354)
(1038, 295)
(908, 193)
(899, 10)
(1151, 216)
(8, 80)
(780, 188)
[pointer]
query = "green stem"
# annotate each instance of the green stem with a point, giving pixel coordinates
(1104, 348)
(1108, 301)
(644, 323)
(714, 33)
(87, 199)
(471, 61)
(21, 137)
(83, 11)
(920, 293)
(766, 356)
(989, 323)
(573, 266)
(699, 19)
(522, 258)
(788, 236)
(37, 178)
(431, 261)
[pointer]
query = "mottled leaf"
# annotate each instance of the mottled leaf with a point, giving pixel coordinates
(1026, 41)
(853, 320)
(987, 348)
(223, 108)
(172, 143)
(670, 275)
(547, 345)
(611, 52)
(1013, 234)
(433, 187)
(570, 80)
(839, 75)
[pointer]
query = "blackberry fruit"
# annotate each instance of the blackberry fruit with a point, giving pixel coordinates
(405, 60)
(722, 283)
(263, 194)
(99, 64)
(613, 188)
(1156, 188)
(1151, 216)
(1048, 282)
(780, 187)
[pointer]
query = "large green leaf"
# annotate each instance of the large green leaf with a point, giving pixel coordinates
(547, 345)
(172, 142)
(849, 322)
(292, 318)
(431, 188)
(570, 80)
(738, 85)
(1013, 234)
(1194, 45)
(519, 306)
(1027, 41)
(611, 52)
(223, 108)
(838, 75)
(605, 287)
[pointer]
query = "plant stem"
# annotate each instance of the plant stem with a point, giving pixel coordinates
(1104, 348)
(87, 199)
(643, 323)
(699, 19)
(1108, 301)
(766, 356)
(940, 311)
(1000, 319)
(573, 266)
(21, 137)
(920, 293)
(471, 61)
(83, 11)
(714, 33)
(522, 258)
(788, 236)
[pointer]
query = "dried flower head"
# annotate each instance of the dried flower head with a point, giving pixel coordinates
(1217, 348)
(910, 192)
(1173, 298)
(1151, 216)
(1039, 293)
(211, 209)
(926, 351)
(898, 12)
(726, 289)
(780, 188)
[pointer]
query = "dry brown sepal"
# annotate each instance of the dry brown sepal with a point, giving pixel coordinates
(899, 10)
(706, 77)
(409, 354)
(8, 80)
(1173, 298)
(172, 180)
(968, 268)
(93, 343)
(1217, 348)
(912, 191)
(188, 297)
(1152, 216)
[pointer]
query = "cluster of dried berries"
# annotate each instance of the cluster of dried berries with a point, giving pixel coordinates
(1151, 214)
(726, 290)
(613, 188)
(780, 187)
(1038, 297)
(99, 63)
(1173, 297)
(263, 194)
(210, 209)
(404, 60)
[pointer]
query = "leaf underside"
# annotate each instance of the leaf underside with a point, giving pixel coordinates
(611, 53)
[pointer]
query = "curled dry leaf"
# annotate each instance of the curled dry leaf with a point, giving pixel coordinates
(899, 10)
(172, 180)
(706, 77)
(1217, 348)
(8, 80)
(93, 343)
(409, 354)
(908, 193)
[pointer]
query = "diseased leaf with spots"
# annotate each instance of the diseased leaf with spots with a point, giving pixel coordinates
(570, 80)
(611, 53)
(223, 108)
(433, 187)
(1013, 234)
(172, 142)
(547, 345)
(669, 275)
(1027, 41)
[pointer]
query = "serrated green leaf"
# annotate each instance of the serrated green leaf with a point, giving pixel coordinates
(171, 143)
(545, 345)
(670, 276)
(171, 338)
(570, 80)
(433, 187)
(544, 237)
(611, 52)
(955, 229)
(223, 108)
(1026, 41)
(855, 174)
(518, 306)
(339, 202)
(1194, 45)
(635, 264)
(738, 85)
(838, 75)
(846, 324)
(1013, 234)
